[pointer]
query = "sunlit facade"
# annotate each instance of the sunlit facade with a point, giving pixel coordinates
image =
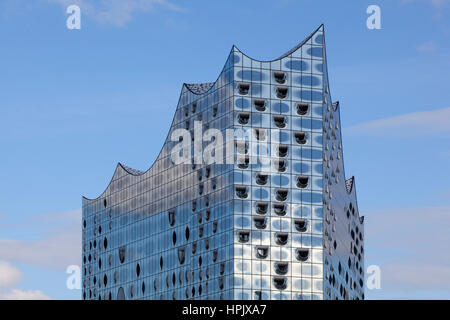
(284, 226)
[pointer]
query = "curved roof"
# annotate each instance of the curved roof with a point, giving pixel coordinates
(199, 88)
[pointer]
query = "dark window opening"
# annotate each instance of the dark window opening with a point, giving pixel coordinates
(260, 222)
(221, 283)
(194, 247)
(105, 203)
(280, 283)
(279, 76)
(302, 181)
(282, 150)
(122, 254)
(143, 288)
(200, 261)
(200, 231)
(214, 227)
(280, 209)
(187, 233)
(282, 194)
(194, 206)
(207, 214)
(243, 118)
(262, 252)
(301, 225)
(281, 92)
(280, 165)
(174, 238)
(105, 243)
(281, 238)
(171, 215)
(280, 121)
(161, 263)
(281, 268)
(261, 178)
(241, 192)
(138, 270)
(207, 244)
(215, 255)
(243, 88)
(222, 268)
(262, 207)
(214, 111)
(302, 254)
(244, 236)
(243, 162)
(194, 107)
(260, 104)
(302, 108)
(258, 295)
(300, 137)
(260, 134)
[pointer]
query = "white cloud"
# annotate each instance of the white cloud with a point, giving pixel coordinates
(17, 294)
(411, 124)
(116, 12)
(9, 275)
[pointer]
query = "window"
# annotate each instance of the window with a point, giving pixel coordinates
(281, 92)
(261, 207)
(280, 209)
(282, 150)
(186, 233)
(260, 104)
(120, 294)
(260, 134)
(280, 165)
(214, 111)
(280, 121)
(243, 118)
(243, 162)
(281, 268)
(301, 225)
(281, 194)
(302, 181)
(260, 222)
(241, 192)
(244, 236)
(138, 270)
(215, 255)
(279, 76)
(161, 262)
(280, 283)
(222, 268)
(302, 254)
(262, 252)
(105, 243)
(281, 238)
(174, 238)
(300, 137)
(302, 108)
(200, 231)
(194, 107)
(261, 178)
(122, 254)
(214, 227)
(243, 88)
(194, 247)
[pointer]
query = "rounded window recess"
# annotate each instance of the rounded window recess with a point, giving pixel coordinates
(260, 222)
(105, 280)
(281, 92)
(221, 283)
(302, 108)
(206, 244)
(194, 206)
(143, 287)
(181, 255)
(280, 165)
(214, 256)
(132, 291)
(280, 121)
(174, 238)
(174, 278)
(187, 233)
(120, 294)
(280, 283)
(171, 215)
(207, 214)
(302, 181)
(261, 178)
(84, 224)
(138, 270)
(300, 137)
(243, 162)
(214, 110)
(302, 254)
(100, 263)
(122, 254)
(281, 268)
(243, 88)
(281, 238)
(279, 209)
(200, 231)
(194, 247)
(301, 225)
(262, 252)
(262, 207)
(214, 227)
(161, 263)
(200, 218)
(244, 236)
(260, 104)
(241, 192)
(194, 107)
(282, 150)
(281, 194)
(260, 134)
(243, 118)
(95, 243)
(110, 260)
(155, 284)
(105, 243)
(105, 203)
(200, 261)
(222, 268)
(279, 76)
(116, 276)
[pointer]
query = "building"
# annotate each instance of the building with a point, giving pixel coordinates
(285, 226)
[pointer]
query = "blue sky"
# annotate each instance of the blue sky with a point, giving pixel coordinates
(75, 102)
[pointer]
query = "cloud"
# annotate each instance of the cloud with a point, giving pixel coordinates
(116, 12)
(411, 124)
(427, 47)
(17, 294)
(59, 247)
(9, 277)
(410, 246)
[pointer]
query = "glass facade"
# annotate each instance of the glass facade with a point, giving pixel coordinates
(272, 219)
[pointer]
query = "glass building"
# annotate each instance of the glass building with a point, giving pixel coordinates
(258, 207)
